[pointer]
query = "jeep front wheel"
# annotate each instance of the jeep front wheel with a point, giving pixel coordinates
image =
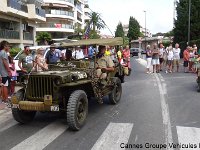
(22, 116)
(115, 95)
(77, 110)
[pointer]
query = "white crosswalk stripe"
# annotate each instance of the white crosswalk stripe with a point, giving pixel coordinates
(188, 137)
(42, 138)
(113, 136)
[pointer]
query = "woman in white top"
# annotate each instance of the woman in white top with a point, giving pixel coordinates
(170, 57)
(176, 60)
(149, 58)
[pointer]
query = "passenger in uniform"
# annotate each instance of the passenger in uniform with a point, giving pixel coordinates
(104, 63)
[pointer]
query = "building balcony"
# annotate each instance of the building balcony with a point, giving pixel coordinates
(79, 19)
(60, 12)
(34, 1)
(79, 8)
(9, 34)
(27, 36)
(15, 5)
(87, 10)
(55, 27)
(36, 13)
(70, 1)
(40, 12)
(59, 3)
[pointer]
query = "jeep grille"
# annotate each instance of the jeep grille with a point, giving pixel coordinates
(39, 86)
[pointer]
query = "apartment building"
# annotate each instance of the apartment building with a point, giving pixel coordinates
(18, 20)
(142, 30)
(62, 16)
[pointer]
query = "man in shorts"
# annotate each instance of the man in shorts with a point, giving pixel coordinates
(155, 58)
(176, 60)
(5, 71)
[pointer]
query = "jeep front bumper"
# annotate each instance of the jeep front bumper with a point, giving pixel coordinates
(34, 106)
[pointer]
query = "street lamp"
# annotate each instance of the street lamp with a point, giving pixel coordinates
(189, 13)
(145, 29)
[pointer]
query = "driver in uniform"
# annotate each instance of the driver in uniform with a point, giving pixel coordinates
(104, 63)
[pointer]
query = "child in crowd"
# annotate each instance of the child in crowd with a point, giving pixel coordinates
(170, 56)
(14, 75)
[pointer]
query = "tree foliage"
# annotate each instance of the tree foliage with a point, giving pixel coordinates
(119, 31)
(94, 35)
(96, 21)
(134, 29)
(170, 33)
(43, 38)
(181, 23)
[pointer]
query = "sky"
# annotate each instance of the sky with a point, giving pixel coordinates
(159, 13)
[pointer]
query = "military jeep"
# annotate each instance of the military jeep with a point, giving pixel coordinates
(66, 87)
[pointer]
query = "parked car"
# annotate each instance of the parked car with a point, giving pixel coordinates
(135, 51)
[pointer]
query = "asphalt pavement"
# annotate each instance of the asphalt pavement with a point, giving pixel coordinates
(155, 109)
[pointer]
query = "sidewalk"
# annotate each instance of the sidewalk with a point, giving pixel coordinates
(3, 106)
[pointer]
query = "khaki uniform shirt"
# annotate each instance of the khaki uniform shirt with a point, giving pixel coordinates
(105, 62)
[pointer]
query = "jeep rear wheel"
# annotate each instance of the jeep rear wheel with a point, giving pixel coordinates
(115, 95)
(77, 110)
(22, 116)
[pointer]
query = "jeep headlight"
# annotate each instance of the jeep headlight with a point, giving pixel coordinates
(58, 81)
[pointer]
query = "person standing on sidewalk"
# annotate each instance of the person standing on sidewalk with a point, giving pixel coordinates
(149, 58)
(5, 71)
(192, 56)
(161, 54)
(176, 60)
(170, 57)
(186, 57)
(155, 58)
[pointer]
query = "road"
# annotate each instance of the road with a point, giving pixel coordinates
(154, 110)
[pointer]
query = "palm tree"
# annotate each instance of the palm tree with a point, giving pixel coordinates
(96, 21)
(43, 38)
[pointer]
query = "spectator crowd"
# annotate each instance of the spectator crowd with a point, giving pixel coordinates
(168, 59)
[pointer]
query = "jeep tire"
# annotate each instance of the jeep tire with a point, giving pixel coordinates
(77, 110)
(115, 95)
(22, 116)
